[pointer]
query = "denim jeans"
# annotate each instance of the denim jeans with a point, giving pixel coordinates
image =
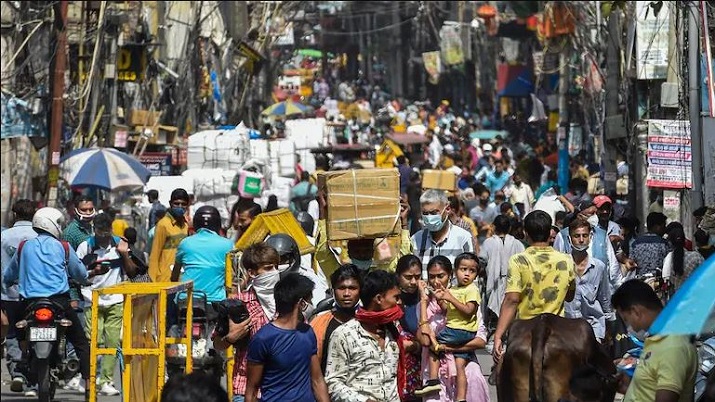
(239, 398)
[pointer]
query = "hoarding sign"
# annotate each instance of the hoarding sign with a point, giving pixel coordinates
(669, 154)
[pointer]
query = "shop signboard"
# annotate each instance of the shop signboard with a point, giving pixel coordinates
(669, 154)
(158, 163)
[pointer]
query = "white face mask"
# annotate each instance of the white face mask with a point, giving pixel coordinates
(593, 220)
(263, 285)
(307, 310)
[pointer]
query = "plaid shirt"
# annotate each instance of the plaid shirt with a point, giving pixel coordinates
(258, 320)
(75, 234)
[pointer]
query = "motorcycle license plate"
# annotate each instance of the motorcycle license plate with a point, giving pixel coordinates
(43, 334)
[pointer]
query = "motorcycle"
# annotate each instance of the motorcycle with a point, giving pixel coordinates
(205, 358)
(47, 360)
(706, 360)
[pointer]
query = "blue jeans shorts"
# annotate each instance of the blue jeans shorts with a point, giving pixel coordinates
(456, 337)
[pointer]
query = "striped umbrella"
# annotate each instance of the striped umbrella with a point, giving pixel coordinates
(285, 108)
(104, 168)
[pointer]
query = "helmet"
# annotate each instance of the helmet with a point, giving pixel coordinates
(207, 217)
(49, 220)
(306, 222)
(287, 250)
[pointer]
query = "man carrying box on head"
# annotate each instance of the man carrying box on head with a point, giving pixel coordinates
(439, 236)
(361, 251)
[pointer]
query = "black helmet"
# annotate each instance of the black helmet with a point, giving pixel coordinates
(306, 222)
(287, 249)
(207, 217)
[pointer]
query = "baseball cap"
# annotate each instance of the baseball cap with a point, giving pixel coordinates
(600, 200)
(487, 147)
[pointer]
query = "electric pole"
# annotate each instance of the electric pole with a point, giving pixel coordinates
(696, 199)
(58, 89)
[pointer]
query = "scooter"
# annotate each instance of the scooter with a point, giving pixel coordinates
(205, 358)
(47, 361)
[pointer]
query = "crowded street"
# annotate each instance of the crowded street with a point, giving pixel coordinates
(343, 201)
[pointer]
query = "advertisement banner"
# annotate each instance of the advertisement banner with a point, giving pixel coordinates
(669, 154)
(158, 163)
(652, 41)
(433, 65)
(451, 45)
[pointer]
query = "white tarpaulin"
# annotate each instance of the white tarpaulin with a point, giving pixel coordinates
(306, 133)
(279, 153)
(218, 149)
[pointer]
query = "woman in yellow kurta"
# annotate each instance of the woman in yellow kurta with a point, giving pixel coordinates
(170, 230)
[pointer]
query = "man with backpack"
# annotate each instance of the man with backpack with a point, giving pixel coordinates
(302, 194)
(106, 250)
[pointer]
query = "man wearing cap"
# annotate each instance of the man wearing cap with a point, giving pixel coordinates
(605, 232)
(484, 161)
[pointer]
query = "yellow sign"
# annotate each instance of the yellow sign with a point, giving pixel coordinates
(53, 175)
(274, 222)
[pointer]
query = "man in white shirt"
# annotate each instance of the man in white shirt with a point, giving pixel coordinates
(519, 192)
(112, 252)
(439, 236)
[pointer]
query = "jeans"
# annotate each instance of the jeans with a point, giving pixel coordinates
(74, 333)
(456, 337)
(239, 398)
(13, 311)
(109, 331)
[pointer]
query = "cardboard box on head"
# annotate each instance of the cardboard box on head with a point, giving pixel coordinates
(361, 203)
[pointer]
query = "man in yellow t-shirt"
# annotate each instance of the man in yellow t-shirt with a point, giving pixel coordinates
(539, 280)
(668, 364)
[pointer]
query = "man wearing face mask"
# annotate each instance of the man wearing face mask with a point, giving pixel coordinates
(80, 229)
(105, 248)
(668, 364)
(439, 236)
(260, 262)
(591, 301)
(170, 231)
(282, 357)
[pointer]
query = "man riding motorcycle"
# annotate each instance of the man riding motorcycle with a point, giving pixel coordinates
(42, 273)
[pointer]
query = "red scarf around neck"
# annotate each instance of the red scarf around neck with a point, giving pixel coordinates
(386, 317)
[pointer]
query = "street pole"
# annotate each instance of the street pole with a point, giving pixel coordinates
(694, 105)
(564, 126)
(641, 171)
(58, 89)
(608, 151)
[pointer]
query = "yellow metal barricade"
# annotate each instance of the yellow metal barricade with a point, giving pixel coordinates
(144, 337)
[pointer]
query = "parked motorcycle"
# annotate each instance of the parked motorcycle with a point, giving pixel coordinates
(205, 358)
(47, 362)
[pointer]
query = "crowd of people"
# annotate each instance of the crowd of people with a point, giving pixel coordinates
(355, 322)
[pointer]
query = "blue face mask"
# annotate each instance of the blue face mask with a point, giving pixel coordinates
(362, 265)
(433, 223)
(177, 211)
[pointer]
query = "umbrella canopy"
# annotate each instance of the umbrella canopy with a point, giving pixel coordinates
(691, 310)
(285, 108)
(488, 134)
(104, 168)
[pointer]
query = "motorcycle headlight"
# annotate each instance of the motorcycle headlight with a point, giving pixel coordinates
(706, 356)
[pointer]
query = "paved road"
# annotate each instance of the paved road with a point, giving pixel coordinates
(61, 395)
(485, 360)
